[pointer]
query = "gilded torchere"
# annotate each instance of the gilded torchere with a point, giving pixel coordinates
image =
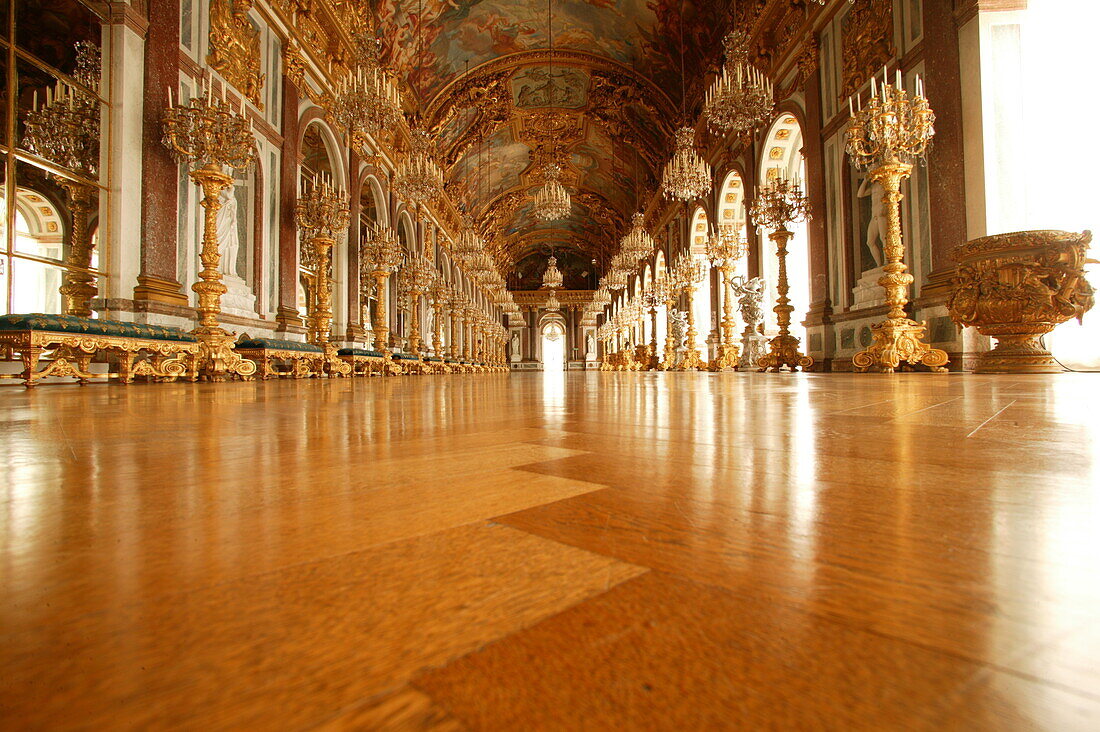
(210, 136)
(321, 213)
(886, 138)
(665, 285)
(65, 130)
(687, 272)
(380, 254)
(651, 300)
(724, 247)
(415, 280)
(777, 204)
(438, 295)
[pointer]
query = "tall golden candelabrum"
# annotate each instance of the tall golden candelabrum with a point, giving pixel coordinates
(438, 296)
(380, 253)
(664, 284)
(321, 213)
(725, 246)
(210, 136)
(886, 138)
(65, 130)
(777, 204)
(415, 281)
(651, 300)
(687, 272)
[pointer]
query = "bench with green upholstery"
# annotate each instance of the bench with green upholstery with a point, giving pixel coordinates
(302, 360)
(70, 342)
(363, 361)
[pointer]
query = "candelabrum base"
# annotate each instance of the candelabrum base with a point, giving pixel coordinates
(1018, 354)
(216, 360)
(728, 358)
(897, 340)
(783, 351)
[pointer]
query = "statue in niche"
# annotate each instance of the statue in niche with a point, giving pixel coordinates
(590, 345)
(878, 223)
(515, 342)
(229, 243)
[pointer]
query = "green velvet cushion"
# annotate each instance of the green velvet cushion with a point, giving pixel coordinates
(92, 326)
(434, 359)
(275, 344)
(358, 352)
(404, 357)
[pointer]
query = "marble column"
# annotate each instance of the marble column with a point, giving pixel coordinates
(287, 313)
(159, 172)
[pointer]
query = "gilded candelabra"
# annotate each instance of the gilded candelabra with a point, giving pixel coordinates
(666, 286)
(380, 254)
(321, 213)
(687, 272)
(652, 299)
(415, 281)
(65, 131)
(887, 138)
(439, 295)
(724, 247)
(210, 136)
(777, 204)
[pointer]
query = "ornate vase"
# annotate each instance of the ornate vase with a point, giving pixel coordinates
(1016, 288)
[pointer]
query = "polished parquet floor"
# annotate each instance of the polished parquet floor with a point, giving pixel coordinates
(597, 551)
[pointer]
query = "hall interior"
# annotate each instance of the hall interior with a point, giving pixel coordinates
(632, 364)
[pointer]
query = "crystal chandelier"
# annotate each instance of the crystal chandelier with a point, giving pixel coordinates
(367, 100)
(637, 244)
(552, 303)
(741, 98)
(616, 279)
(419, 180)
(468, 243)
(552, 276)
(686, 176)
(480, 267)
(552, 201)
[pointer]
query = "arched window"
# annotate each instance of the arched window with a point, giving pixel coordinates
(704, 320)
(37, 230)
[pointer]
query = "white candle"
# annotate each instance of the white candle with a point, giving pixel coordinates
(897, 79)
(874, 89)
(34, 103)
(851, 112)
(170, 104)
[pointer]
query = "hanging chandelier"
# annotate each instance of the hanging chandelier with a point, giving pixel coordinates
(552, 201)
(367, 100)
(480, 267)
(686, 176)
(419, 180)
(468, 242)
(552, 278)
(637, 244)
(741, 98)
(616, 279)
(552, 303)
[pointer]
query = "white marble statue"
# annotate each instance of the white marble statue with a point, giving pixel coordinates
(590, 346)
(875, 235)
(229, 243)
(678, 327)
(750, 296)
(515, 342)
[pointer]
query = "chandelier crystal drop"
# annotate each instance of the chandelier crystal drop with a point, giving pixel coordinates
(367, 100)
(552, 201)
(741, 98)
(552, 278)
(686, 176)
(419, 179)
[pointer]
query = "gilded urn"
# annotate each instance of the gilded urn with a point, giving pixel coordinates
(1018, 287)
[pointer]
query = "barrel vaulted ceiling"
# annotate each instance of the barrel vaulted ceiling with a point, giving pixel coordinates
(616, 98)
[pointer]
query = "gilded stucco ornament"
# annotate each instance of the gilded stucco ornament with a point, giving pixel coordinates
(235, 47)
(1018, 287)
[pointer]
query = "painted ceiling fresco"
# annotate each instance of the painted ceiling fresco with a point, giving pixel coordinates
(484, 81)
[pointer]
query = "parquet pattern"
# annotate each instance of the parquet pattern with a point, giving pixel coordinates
(598, 551)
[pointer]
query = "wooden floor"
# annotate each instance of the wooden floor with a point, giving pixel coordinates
(599, 551)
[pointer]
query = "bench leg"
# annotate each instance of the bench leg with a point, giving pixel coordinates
(30, 356)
